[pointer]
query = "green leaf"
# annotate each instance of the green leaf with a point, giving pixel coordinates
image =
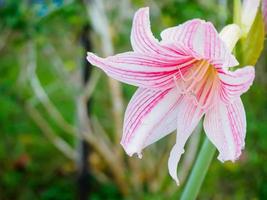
(252, 45)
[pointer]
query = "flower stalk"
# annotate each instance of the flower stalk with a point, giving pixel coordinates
(199, 171)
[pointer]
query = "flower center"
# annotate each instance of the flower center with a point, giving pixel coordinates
(198, 82)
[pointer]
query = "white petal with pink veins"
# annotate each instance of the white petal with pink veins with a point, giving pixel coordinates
(150, 116)
(225, 126)
(235, 83)
(188, 117)
(203, 38)
(142, 38)
(145, 71)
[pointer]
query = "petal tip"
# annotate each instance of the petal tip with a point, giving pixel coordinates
(130, 151)
(90, 57)
(144, 10)
(173, 161)
(232, 158)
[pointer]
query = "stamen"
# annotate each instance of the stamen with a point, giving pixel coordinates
(208, 85)
(197, 78)
(181, 74)
(193, 74)
(198, 103)
(180, 90)
(202, 72)
(189, 84)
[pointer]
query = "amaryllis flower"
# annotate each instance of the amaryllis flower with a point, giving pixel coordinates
(180, 78)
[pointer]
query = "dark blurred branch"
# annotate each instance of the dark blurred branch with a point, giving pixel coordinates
(96, 12)
(116, 166)
(84, 150)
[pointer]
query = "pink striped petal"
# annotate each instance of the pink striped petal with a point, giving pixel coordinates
(142, 39)
(146, 71)
(225, 126)
(203, 38)
(150, 116)
(189, 116)
(233, 84)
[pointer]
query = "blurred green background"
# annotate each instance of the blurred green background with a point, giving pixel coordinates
(42, 62)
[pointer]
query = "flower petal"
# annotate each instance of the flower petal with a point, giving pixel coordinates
(233, 84)
(145, 71)
(149, 116)
(225, 126)
(203, 38)
(189, 115)
(142, 39)
(230, 35)
(185, 33)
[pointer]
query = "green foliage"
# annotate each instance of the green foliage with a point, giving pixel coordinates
(176, 12)
(251, 46)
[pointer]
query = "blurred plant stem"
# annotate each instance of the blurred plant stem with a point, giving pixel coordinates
(50, 107)
(57, 141)
(199, 171)
(40, 93)
(4, 38)
(103, 148)
(36, 116)
(105, 151)
(97, 14)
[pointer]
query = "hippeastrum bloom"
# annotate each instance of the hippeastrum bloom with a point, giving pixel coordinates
(180, 78)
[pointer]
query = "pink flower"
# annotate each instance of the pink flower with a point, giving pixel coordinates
(180, 78)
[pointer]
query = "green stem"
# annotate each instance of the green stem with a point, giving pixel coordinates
(237, 12)
(199, 171)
